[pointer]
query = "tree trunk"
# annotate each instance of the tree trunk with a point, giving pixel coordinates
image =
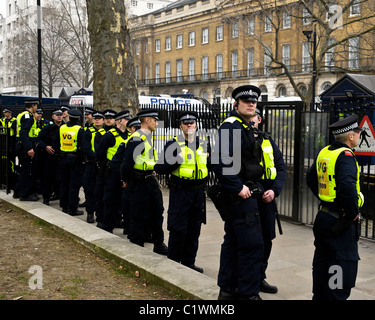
(114, 76)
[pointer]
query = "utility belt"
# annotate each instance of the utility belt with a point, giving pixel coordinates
(331, 212)
(224, 201)
(140, 175)
(191, 185)
(64, 154)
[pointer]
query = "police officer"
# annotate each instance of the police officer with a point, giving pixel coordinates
(65, 110)
(109, 123)
(10, 122)
(272, 181)
(90, 171)
(112, 185)
(26, 145)
(242, 250)
(89, 119)
(48, 140)
(115, 185)
(137, 173)
(71, 163)
(334, 180)
(185, 160)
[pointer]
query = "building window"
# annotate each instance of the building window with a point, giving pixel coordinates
(219, 33)
(355, 8)
(354, 52)
(287, 20)
(267, 61)
(168, 43)
(167, 72)
(134, 3)
(234, 64)
(235, 29)
(219, 66)
(192, 38)
(204, 35)
(137, 48)
(157, 73)
(268, 23)
(146, 46)
(146, 73)
(137, 73)
(179, 41)
(192, 69)
(150, 5)
(282, 91)
(306, 17)
(204, 67)
(157, 45)
(250, 62)
(325, 86)
(179, 70)
(286, 55)
(306, 57)
(251, 25)
(330, 55)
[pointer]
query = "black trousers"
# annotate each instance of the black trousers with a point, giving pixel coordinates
(146, 211)
(27, 175)
(185, 217)
(89, 182)
(112, 199)
(71, 174)
(50, 181)
(335, 261)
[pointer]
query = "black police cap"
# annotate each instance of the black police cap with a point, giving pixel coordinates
(122, 114)
(134, 122)
(109, 113)
(89, 110)
(30, 102)
(65, 108)
(98, 114)
(188, 117)
(246, 93)
(153, 113)
(345, 125)
(74, 113)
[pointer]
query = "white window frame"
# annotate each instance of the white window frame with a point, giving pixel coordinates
(329, 57)
(191, 69)
(235, 29)
(354, 44)
(306, 56)
(205, 35)
(286, 54)
(168, 43)
(234, 64)
(219, 66)
(167, 72)
(205, 67)
(220, 33)
(157, 45)
(250, 62)
(287, 20)
(355, 8)
(306, 17)
(179, 70)
(179, 41)
(157, 73)
(191, 38)
(251, 25)
(268, 23)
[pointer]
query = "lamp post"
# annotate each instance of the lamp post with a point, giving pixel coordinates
(308, 36)
(39, 22)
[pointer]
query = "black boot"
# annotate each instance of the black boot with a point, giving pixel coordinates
(90, 218)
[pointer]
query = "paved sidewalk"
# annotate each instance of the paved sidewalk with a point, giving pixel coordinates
(289, 265)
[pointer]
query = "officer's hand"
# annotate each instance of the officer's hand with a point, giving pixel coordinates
(50, 150)
(124, 184)
(245, 192)
(31, 153)
(268, 196)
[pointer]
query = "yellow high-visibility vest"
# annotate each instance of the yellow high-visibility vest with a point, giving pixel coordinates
(325, 166)
(194, 166)
(68, 138)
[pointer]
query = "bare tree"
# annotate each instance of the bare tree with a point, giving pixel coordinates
(336, 33)
(114, 75)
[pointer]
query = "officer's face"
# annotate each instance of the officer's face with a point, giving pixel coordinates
(89, 118)
(256, 119)
(188, 129)
(7, 115)
(246, 109)
(98, 122)
(151, 123)
(109, 122)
